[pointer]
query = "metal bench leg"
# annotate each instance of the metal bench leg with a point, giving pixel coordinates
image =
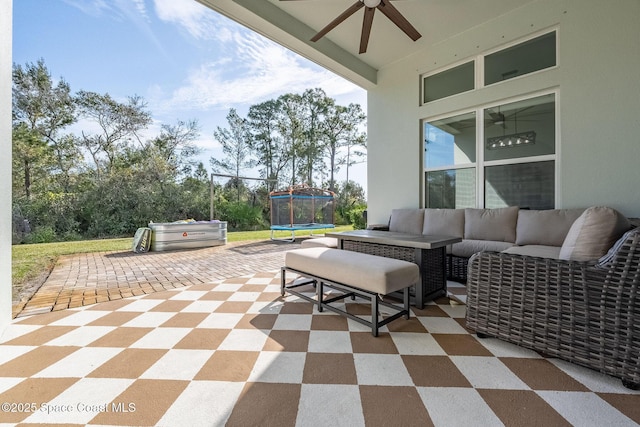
(283, 274)
(374, 315)
(406, 303)
(320, 294)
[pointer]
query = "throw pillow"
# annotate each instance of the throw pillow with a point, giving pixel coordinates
(593, 233)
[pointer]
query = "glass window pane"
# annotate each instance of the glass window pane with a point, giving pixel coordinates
(454, 188)
(450, 82)
(520, 129)
(450, 141)
(528, 185)
(524, 58)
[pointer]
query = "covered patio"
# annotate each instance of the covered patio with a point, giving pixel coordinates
(231, 351)
(234, 352)
(202, 346)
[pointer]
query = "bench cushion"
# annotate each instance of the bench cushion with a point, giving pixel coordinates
(320, 242)
(369, 272)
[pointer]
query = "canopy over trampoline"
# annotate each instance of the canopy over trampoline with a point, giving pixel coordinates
(301, 207)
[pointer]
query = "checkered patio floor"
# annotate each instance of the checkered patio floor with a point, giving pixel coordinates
(236, 353)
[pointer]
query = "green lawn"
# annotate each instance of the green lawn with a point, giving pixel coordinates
(31, 263)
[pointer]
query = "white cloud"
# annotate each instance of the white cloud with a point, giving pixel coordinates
(253, 69)
(129, 9)
(195, 18)
(93, 8)
(134, 11)
(249, 68)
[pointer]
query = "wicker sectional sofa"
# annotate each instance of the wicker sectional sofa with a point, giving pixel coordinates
(586, 312)
(566, 284)
(539, 233)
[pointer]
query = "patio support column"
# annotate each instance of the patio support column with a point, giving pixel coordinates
(6, 67)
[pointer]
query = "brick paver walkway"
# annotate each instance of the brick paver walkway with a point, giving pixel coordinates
(84, 279)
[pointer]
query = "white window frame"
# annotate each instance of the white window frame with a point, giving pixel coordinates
(480, 163)
(478, 63)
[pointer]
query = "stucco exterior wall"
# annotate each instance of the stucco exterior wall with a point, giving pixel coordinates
(5, 162)
(598, 99)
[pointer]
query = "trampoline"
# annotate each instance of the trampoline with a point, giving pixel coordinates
(301, 207)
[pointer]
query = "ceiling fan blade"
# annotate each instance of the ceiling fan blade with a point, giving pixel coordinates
(367, 22)
(516, 112)
(344, 15)
(396, 17)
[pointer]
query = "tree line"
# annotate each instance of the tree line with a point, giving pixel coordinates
(110, 177)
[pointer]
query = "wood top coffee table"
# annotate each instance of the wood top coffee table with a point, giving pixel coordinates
(426, 251)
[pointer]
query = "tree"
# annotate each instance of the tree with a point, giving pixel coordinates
(173, 152)
(107, 180)
(32, 159)
(341, 130)
(118, 123)
(291, 127)
(45, 109)
(235, 146)
(316, 105)
(266, 142)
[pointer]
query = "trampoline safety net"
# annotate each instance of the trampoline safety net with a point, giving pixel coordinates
(302, 206)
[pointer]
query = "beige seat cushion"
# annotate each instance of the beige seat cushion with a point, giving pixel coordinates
(545, 227)
(593, 233)
(540, 251)
(443, 222)
(491, 224)
(466, 248)
(407, 221)
(370, 272)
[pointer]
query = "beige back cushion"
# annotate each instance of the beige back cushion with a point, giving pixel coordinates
(407, 221)
(545, 227)
(443, 222)
(491, 224)
(593, 233)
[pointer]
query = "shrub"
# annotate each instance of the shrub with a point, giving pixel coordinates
(356, 216)
(44, 234)
(242, 216)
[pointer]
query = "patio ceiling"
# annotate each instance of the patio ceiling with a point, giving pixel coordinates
(293, 23)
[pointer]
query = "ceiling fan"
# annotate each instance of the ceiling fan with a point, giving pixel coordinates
(500, 119)
(370, 6)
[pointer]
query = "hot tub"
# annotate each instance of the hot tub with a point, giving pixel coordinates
(187, 235)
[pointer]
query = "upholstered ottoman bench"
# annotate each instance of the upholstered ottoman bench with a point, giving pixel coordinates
(354, 274)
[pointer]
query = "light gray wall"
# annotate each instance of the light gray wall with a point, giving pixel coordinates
(5, 162)
(598, 101)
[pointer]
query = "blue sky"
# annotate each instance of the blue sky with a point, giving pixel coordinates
(185, 60)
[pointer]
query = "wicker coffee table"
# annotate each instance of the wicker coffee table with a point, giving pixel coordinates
(426, 251)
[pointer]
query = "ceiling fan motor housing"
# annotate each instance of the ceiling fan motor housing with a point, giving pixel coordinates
(371, 3)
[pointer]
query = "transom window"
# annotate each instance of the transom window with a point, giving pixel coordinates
(535, 54)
